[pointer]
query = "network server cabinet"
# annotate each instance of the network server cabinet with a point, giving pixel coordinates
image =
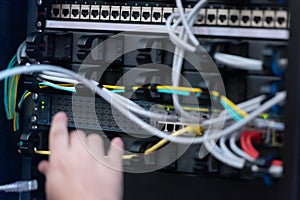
(70, 30)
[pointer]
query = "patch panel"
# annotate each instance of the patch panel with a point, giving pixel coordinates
(146, 14)
(234, 17)
(75, 9)
(167, 11)
(245, 18)
(269, 19)
(55, 11)
(211, 16)
(202, 17)
(125, 13)
(257, 18)
(222, 17)
(135, 13)
(65, 11)
(85, 12)
(281, 19)
(157, 14)
(115, 13)
(95, 12)
(105, 12)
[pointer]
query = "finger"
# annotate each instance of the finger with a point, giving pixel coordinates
(43, 167)
(115, 152)
(78, 139)
(95, 145)
(58, 137)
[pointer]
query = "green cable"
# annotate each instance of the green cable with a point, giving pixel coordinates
(6, 85)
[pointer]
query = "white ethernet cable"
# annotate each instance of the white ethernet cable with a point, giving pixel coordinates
(223, 156)
(239, 62)
(20, 186)
(237, 150)
(132, 106)
(279, 97)
(58, 79)
(185, 23)
(247, 106)
(182, 45)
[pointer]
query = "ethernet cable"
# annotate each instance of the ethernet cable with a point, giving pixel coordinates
(237, 150)
(239, 62)
(20, 186)
(57, 86)
(132, 106)
(279, 97)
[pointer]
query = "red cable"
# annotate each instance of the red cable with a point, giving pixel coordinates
(247, 140)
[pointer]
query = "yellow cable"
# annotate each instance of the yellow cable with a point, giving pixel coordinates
(9, 97)
(15, 122)
(234, 107)
(194, 129)
(47, 153)
(114, 87)
(187, 89)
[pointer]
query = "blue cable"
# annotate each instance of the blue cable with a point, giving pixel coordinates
(234, 115)
(57, 86)
(275, 65)
(182, 93)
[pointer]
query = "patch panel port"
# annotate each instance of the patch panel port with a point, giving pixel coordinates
(222, 17)
(85, 12)
(211, 16)
(245, 18)
(257, 18)
(136, 14)
(75, 11)
(269, 19)
(234, 17)
(201, 17)
(65, 11)
(105, 12)
(146, 14)
(115, 13)
(95, 11)
(125, 13)
(281, 19)
(55, 12)
(167, 11)
(157, 15)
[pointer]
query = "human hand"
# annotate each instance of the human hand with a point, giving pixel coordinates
(77, 167)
